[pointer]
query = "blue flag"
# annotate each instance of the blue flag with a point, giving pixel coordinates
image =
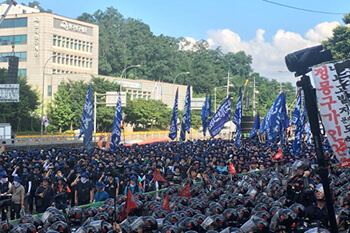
(299, 132)
(205, 113)
(283, 119)
(237, 118)
(276, 119)
(296, 114)
(222, 115)
(117, 129)
(87, 121)
(173, 121)
(186, 116)
(308, 131)
(255, 128)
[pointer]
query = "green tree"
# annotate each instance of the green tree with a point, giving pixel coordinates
(147, 114)
(19, 114)
(339, 43)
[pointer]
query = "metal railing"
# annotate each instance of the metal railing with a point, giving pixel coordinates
(126, 137)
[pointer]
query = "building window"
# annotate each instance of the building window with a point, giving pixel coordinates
(22, 72)
(91, 48)
(14, 23)
(67, 43)
(13, 40)
(75, 44)
(49, 90)
(54, 41)
(71, 43)
(54, 71)
(22, 56)
(63, 41)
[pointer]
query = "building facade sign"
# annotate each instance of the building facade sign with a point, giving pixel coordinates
(36, 36)
(69, 26)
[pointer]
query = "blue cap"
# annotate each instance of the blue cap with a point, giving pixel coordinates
(84, 174)
(18, 179)
(133, 178)
(100, 185)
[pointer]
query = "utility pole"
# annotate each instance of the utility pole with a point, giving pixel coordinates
(228, 84)
(254, 110)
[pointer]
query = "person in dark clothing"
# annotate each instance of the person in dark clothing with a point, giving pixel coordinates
(84, 190)
(4, 188)
(36, 178)
(300, 188)
(61, 190)
(44, 196)
(318, 210)
(112, 185)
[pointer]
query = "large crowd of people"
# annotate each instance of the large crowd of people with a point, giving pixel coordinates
(261, 194)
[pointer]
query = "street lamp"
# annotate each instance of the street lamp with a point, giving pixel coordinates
(175, 80)
(133, 66)
(42, 99)
(178, 75)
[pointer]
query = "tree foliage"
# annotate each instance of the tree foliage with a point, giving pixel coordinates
(67, 107)
(339, 43)
(147, 114)
(19, 115)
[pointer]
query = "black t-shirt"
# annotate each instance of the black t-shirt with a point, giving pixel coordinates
(83, 191)
(48, 195)
(111, 188)
(36, 181)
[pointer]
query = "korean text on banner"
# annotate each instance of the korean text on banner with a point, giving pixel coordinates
(334, 113)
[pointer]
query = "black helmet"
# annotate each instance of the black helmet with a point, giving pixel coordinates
(216, 221)
(18, 229)
(29, 227)
(102, 226)
(120, 199)
(190, 212)
(150, 223)
(217, 209)
(90, 212)
(172, 217)
(231, 217)
(102, 208)
(101, 216)
(301, 165)
(54, 218)
(182, 214)
(299, 209)
(27, 219)
(49, 212)
(110, 210)
(188, 223)
(75, 215)
(255, 224)
(60, 226)
(5, 227)
(200, 218)
(109, 201)
(170, 229)
(159, 214)
(342, 216)
(263, 214)
(87, 229)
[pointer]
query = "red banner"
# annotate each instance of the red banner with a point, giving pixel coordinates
(157, 176)
(166, 203)
(185, 192)
(129, 205)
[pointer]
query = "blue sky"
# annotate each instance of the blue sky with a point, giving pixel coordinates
(254, 26)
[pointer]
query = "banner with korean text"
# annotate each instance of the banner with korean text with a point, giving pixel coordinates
(334, 112)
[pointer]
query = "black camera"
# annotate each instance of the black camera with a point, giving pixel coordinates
(301, 61)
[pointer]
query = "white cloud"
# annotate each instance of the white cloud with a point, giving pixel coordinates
(268, 58)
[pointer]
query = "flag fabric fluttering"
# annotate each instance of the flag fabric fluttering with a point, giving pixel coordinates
(87, 121)
(129, 205)
(232, 168)
(299, 120)
(345, 163)
(276, 120)
(186, 117)
(237, 118)
(222, 115)
(108, 141)
(99, 143)
(205, 113)
(157, 176)
(185, 192)
(166, 203)
(173, 121)
(256, 127)
(308, 132)
(278, 155)
(117, 129)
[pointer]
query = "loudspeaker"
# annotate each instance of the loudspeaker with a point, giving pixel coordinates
(247, 124)
(12, 69)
